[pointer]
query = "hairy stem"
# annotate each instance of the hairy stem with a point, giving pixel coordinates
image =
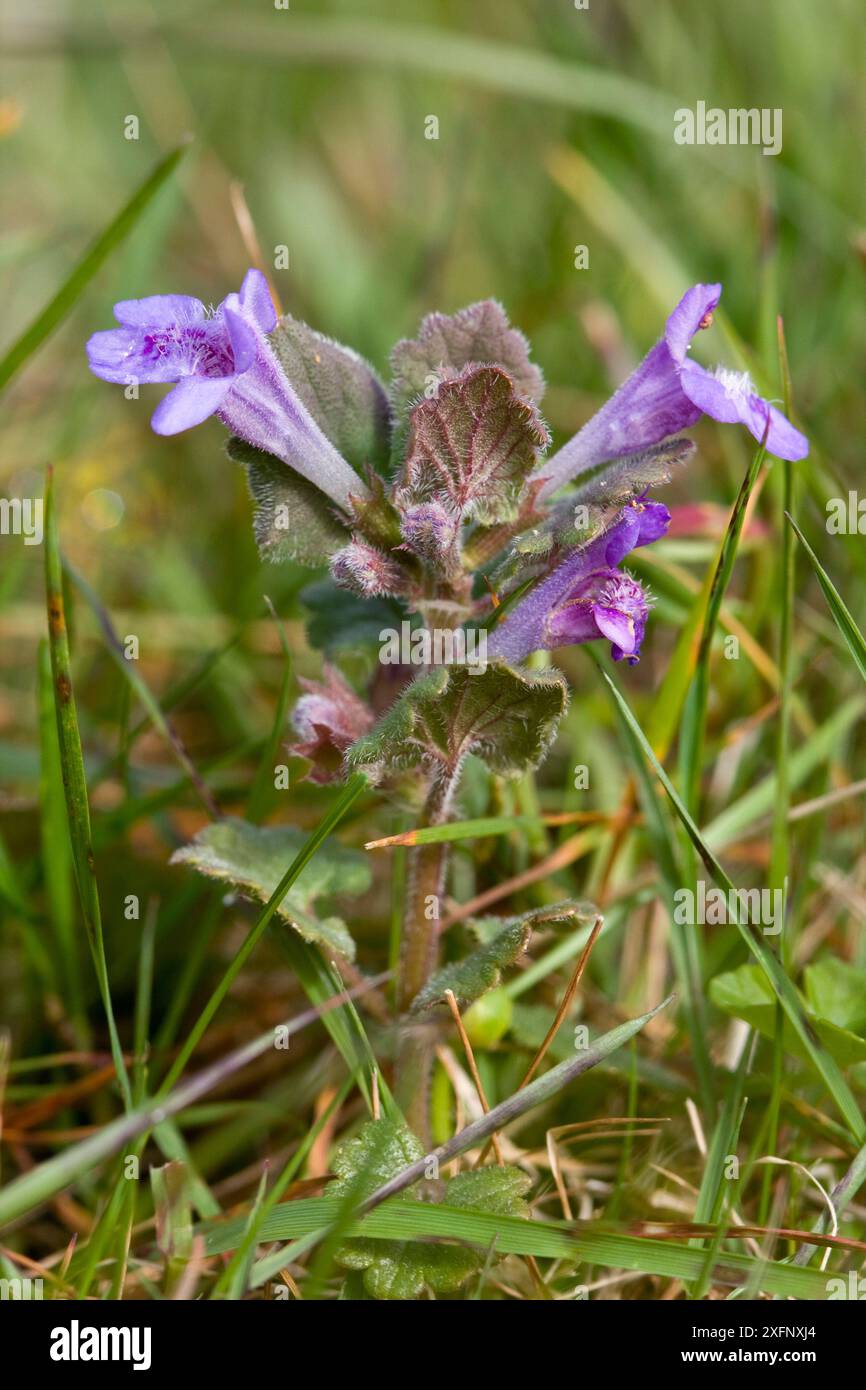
(419, 950)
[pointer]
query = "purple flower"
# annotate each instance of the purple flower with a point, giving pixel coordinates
(668, 392)
(224, 365)
(329, 718)
(587, 595)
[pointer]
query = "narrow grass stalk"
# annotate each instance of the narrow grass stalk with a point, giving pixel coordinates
(74, 780)
(825, 1065)
(262, 791)
(695, 709)
(42, 1183)
(72, 288)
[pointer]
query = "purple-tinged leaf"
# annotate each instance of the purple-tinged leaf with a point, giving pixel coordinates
(447, 343)
(472, 447)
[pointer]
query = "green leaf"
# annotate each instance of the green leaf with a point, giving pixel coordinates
(824, 1063)
(746, 993)
(507, 717)
(402, 1269)
(619, 480)
(341, 621)
(293, 519)
(836, 991)
(504, 940)
(446, 344)
(341, 391)
(471, 447)
(382, 1148)
(254, 857)
(494, 1189)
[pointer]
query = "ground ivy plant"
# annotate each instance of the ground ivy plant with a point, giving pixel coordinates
(457, 545)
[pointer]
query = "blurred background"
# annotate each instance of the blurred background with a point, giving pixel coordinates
(555, 131)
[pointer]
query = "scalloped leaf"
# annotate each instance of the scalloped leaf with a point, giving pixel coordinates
(254, 858)
(401, 1270)
(380, 1149)
(500, 1191)
(508, 717)
(471, 448)
(341, 391)
(293, 519)
(504, 941)
(447, 343)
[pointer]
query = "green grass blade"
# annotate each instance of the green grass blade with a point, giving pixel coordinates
(743, 814)
(546, 1086)
(683, 944)
(54, 312)
(43, 1182)
(319, 981)
(779, 855)
(262, 793)
(695, 708)
(576, 1242)
(824, 1064)
(851, 633)
(234, 1279)
(143, 691)
(723, 1144)
(74, 781)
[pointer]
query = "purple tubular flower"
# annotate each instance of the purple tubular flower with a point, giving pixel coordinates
(587, 595)
(667, 393)
(224, 365)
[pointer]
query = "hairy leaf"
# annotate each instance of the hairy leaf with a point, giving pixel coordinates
(471, 447)
(497, 1190)
(382, 1148)
(477, 335)
(618, 481)
(585, 512)
(504, 941)
(341, 391)
(507, 717)
(402, 1269)
(255, 858)
(293, 519)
